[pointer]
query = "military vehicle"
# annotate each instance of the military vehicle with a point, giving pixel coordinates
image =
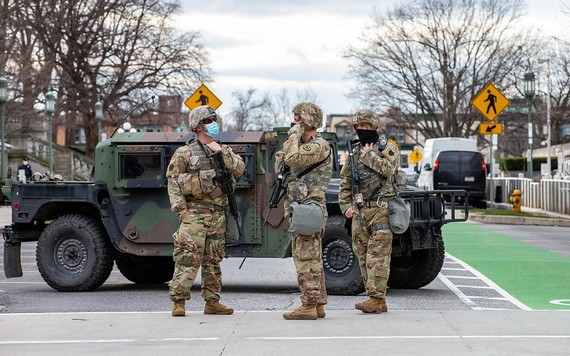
(122, 215)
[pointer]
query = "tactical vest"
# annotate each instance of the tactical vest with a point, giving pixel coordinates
(313, 185)
(371, 180)
(201, 166)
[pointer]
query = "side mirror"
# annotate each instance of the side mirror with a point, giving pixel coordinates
(427, 167)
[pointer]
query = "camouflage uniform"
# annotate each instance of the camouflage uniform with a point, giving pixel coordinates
(199, 204)
(307, 250)
(371, 234)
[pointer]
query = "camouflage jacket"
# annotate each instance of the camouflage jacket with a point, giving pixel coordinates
(191, 175)
(299, 156)
(375, 169)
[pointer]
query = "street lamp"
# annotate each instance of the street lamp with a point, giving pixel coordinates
(548, 134)
(50, 109)
(3, 99)
(99, 117)
(529, 91)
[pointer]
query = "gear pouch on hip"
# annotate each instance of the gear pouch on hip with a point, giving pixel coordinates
(307, 218)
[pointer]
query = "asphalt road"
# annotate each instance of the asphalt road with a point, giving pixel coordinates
(123, 318)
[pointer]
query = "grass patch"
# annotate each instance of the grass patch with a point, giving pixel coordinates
(506, 212)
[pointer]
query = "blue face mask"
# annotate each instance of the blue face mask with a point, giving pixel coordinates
(212, 129)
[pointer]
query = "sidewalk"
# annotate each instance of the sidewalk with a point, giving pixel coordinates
(550, 219)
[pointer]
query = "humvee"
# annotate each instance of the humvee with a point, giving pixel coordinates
(122, 215)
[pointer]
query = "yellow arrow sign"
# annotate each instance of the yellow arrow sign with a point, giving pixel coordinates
(202, 96)
(486, 128)
(490, 102)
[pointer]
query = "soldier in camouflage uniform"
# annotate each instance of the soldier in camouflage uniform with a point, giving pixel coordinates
(199, 204)
(305, 148)
(376, 161)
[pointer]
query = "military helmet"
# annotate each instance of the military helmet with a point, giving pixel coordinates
(366, 116)
(310, 114)
(200, 113)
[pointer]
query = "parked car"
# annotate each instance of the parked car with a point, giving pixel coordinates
(457, 169)
(412, 175)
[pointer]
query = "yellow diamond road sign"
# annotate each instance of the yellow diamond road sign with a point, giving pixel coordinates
(487, 128)
(202, 96)
(490, 102)
(415, 157)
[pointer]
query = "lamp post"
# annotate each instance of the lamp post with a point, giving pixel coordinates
(3, 99)
(548, 129)
(99, 117)
(529, 91)
(50, 109)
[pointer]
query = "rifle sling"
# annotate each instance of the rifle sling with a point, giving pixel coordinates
(313, 166)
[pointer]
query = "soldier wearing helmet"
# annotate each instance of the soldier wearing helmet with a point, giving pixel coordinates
(377, 161)
(199, 203)
(308, 156)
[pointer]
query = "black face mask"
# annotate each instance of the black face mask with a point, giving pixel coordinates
(367, 136)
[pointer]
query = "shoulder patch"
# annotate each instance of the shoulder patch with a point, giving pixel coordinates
(310, 148)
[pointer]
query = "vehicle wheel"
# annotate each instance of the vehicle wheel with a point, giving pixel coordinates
(417, 268)
(145, 269)
(342, 273)
(74, 254)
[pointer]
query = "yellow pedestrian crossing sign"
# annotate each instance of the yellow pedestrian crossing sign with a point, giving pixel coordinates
(202, 96)
(490, 102)
(415, 157)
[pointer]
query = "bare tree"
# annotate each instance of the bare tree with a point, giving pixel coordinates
(117, 51)
(249, 112)
(430, 58)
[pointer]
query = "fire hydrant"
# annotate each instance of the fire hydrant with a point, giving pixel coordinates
(515, 199)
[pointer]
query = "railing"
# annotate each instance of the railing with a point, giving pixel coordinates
(548, 194)
(69, 163)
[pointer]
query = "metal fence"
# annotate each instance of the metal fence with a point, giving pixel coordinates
(548, 194)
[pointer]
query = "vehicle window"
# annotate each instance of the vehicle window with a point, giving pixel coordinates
(140, 166)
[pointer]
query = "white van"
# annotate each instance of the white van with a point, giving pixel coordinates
(432, 147)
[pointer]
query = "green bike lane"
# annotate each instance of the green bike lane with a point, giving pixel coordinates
(538, 278)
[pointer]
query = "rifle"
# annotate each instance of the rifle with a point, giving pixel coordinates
(356, 194)
(278, 189)
(224, 178)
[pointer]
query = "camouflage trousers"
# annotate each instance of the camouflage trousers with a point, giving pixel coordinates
(197, 243)
(372, 244)
(308, 258)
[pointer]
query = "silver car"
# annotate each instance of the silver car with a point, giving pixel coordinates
(412, 176)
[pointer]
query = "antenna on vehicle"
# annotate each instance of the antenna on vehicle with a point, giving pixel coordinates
(129, 114)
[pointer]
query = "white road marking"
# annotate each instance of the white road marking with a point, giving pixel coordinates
(490, 283)
(383, 337)
(458, 292)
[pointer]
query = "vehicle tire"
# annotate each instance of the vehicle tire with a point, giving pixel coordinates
(145, 269)
(74, 254)
(416, 269)
(342, 273)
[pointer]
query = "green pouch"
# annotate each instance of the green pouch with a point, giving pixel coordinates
(399, 217)
(307, 218)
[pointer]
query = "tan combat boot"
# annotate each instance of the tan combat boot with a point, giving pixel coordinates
(178, 308)
(304, 312)
(384, 305)
(372, 305)
(213, 306)
(321, 310)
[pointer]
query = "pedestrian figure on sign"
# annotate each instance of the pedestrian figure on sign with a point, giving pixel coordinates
(203, 99)
(491, 99)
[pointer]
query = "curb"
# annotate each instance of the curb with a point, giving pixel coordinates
(515, 220)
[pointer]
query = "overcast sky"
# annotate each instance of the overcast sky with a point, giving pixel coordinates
(297, 44)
